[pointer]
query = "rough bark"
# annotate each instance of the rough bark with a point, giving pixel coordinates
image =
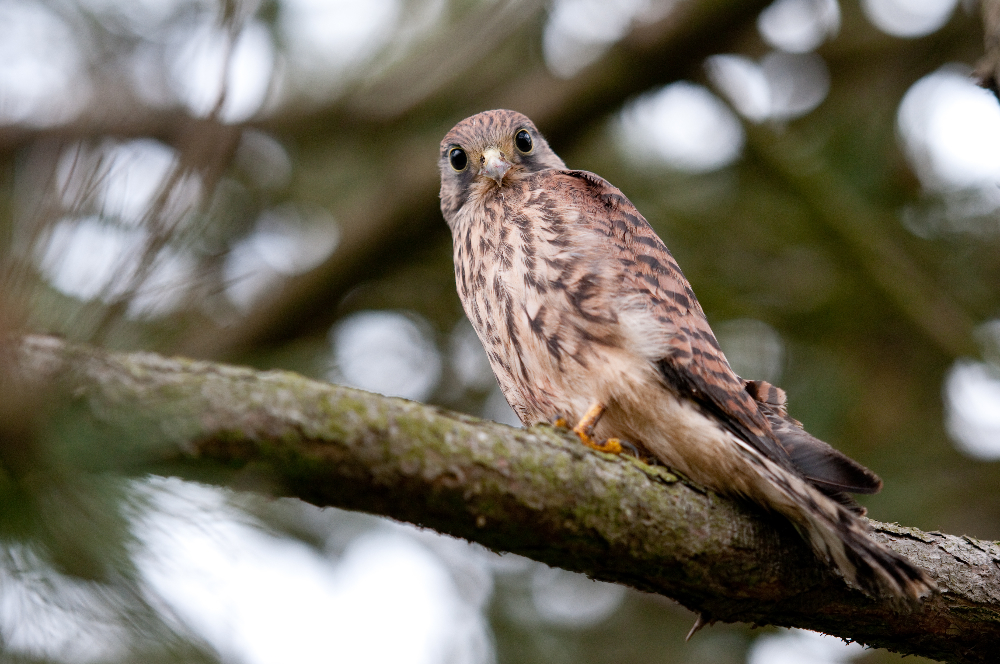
(535, 492)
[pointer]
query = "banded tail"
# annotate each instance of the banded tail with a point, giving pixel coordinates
(815, 499)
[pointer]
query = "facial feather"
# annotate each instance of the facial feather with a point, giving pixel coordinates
(477, 134)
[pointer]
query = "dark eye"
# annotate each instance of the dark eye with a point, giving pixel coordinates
(458, 159)
(522, 140)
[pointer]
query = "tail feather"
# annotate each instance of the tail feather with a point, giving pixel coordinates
(836, 533)
(827, 468)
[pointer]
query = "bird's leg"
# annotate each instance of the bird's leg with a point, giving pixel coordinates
(585, 430)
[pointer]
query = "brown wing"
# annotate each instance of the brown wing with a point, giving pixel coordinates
(694, 366)
(830, 470)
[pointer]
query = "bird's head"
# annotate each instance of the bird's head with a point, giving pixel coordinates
(488, 150)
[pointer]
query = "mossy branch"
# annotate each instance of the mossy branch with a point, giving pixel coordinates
(535, 492)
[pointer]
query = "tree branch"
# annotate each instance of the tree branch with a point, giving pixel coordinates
(535, 492)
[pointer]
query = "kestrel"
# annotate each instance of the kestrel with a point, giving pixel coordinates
(586, 317)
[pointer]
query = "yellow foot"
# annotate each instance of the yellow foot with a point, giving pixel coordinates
(560, 423)
(585, 430)
(611, 445)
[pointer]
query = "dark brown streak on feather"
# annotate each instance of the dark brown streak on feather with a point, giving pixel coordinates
(649, 242)
(587, 289)
(610, 339)
(682, 300)
(552, 342)
(505, 254)
(652, 279)
(652, 262)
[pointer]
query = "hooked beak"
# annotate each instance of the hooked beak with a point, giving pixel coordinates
(494, 165)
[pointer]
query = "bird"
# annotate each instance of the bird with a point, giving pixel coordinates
(586, 318)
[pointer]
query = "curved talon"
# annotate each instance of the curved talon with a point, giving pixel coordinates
(632, 449)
